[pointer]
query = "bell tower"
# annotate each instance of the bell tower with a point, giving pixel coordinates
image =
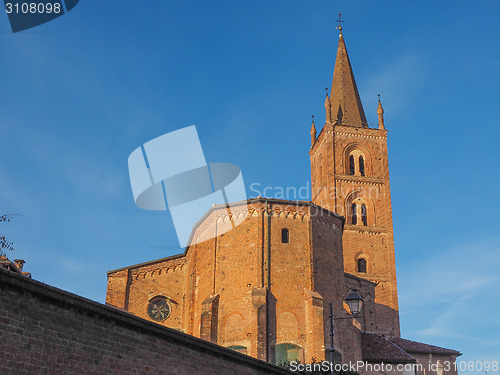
(350, 176)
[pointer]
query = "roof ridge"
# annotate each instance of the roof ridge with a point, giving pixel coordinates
(428, 347)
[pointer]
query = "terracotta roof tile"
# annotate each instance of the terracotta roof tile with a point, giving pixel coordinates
(418, 347)
(377, 348)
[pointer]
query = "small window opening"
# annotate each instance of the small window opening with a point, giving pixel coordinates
(285, 236)
(362, 265)
(354, 216)
(351, 165)
(363, 215)
(361, 166)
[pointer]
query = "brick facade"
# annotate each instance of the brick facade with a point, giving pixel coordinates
(246, 288)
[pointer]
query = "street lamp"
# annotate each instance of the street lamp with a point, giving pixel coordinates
(355, 302)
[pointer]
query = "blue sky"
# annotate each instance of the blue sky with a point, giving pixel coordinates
(80, 93)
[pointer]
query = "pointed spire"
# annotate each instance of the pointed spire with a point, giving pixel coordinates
(313, 132)
(328, 108)
(346, 107)
(380, 112)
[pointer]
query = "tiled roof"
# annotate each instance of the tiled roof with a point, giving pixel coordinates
(377, 348)
(8, 265)
(418, 347)
(13, 267)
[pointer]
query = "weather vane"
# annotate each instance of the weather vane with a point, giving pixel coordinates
(340, 23)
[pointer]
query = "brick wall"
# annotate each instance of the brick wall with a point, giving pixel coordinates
(44, 330)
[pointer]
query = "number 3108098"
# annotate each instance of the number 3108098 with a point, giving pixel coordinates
(33, 8)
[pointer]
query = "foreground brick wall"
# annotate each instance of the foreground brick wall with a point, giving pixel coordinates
(44, 330)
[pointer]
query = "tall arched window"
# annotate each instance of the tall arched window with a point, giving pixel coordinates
(285, 235)
(364, 219)
(362, 265)
(352, 169)
(361, 166)
(354, 216)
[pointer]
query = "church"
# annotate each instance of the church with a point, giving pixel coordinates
(271, 286)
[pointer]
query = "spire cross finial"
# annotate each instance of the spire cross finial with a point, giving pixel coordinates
(326, 89)
(378, 97)
(340, 23)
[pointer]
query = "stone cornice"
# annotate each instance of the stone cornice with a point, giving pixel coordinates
(180, 258)
(333, 128)
(140, 274)
(239, 211)
(359, 179)
(365, 229)
(366, 133)
(326, 223)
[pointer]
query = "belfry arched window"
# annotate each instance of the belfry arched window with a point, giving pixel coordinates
(357, 212)
(362, 265)
(354, 216)
(357, 162)
(364, 219)
(352, 167)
